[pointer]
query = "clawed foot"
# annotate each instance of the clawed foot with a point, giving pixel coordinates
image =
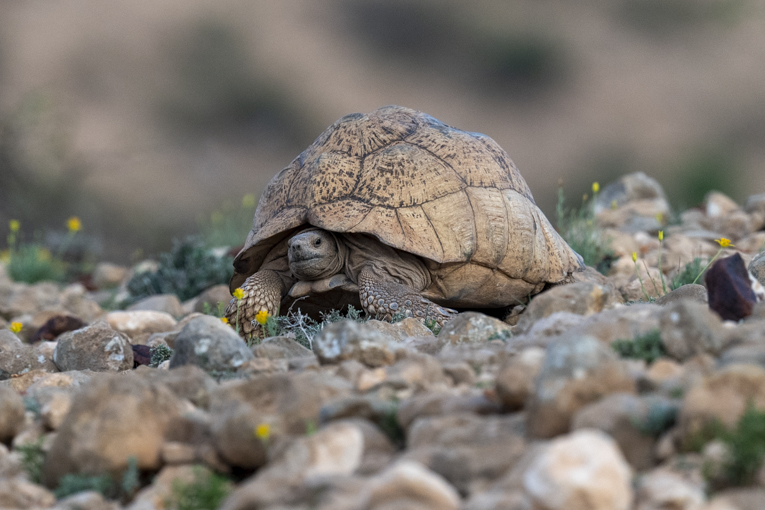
(261, 294)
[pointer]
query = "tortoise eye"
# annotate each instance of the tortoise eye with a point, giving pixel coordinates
(317, 242)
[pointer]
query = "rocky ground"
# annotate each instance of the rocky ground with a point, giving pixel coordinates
(602, 394)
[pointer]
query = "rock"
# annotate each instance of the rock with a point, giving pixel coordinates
(108, 276)
(289, 404)
(188, 382)
(722, 396)
(30, 299)
(86, 500)
(757, 267)
(11, 414)
(167, 303)
(576, 371)
(743, 498)
(75, 300)
(581, 471)
(473, 328)
(690, 292)
(335, 450)
(54, 404)
(348, 339)
(662, 488)
(409, 485)
(160, 494)
(141, 355)
(18, 492)
(416, 371)
(400, 331)
(55, 326)
(465, 448)
(730, 291)
(139, 322)
(281, 347)
(208, 343)
(743, 354)
(96, 347)
(689, 328)
(211, 299)
(15, 356)
(581, 298)
(634, 422)
(515, 382)
(111, 420)
(441, 403)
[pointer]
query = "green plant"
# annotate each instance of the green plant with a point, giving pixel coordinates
(689, 273)
(187, 270)
(305, 328)
(648, 347)
(206, 492)
(32, 459)
(579, 228)
(104, 484)
(160, 354)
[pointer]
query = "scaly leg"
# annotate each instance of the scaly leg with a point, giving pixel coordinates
(263, 291)
(383, 299)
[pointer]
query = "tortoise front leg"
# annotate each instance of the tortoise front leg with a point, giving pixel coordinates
(263, 291)
(383, 298)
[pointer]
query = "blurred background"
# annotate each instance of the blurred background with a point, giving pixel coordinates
(153, 119)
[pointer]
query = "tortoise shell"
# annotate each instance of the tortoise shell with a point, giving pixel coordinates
(452, 197)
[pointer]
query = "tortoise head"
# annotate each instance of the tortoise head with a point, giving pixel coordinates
(314, 254)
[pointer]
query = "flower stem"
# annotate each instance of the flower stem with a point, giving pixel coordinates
(708, 264)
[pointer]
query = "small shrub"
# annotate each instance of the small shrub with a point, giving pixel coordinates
(206, 492)
(647, 347)
(32, 459)
(160, 354)
(187, 270)
(32, 263)
(580, 230)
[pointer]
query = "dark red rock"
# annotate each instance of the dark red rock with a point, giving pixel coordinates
(56, 326)
(141, 355)
(729, 288)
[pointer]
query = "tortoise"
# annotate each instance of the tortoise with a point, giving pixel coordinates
(398, 213)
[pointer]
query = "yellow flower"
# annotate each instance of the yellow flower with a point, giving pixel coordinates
(660, 217)
(263, 431)
(248, 201)
(14, 225)
(595, 187)
(239, 293)
(614, 204)
(74, 224)
(262, 317)
(661, 235)
(724, 243)
(224, 320)
(16, 326)
(634, 256)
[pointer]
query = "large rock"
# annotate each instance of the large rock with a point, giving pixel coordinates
(581, 298)
(139, 322)
(689, 328)
(111, 420)
(95, 347)
(208, 343)
(581, 471)
(11, 414)
(348, 339)
(730, 288)
(576, 371)
(472, 328)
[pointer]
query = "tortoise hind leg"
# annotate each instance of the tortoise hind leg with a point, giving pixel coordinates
(263, 291)
(384, 299)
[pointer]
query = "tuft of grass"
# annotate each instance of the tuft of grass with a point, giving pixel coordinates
(206, 492)
(160, 354)
(32, 263)
(689, 274)
(187, 270)
(647, 347)
(579, 229)
(32, 459)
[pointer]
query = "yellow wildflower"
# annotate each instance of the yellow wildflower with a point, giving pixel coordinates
(16, 326)
(724, 243)
(634, 256)
(661, 235)
(239, 293)
(262, 317)
(248, 201)
(14, 225)
(595, 187)
(263, 431)
(660, 217)
(614, 204)
(74, 224)
(224, 320)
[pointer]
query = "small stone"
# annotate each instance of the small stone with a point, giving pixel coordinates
(18, 492)
(689, 328)
(208, 343)
(108, 276)
(96, 347)
(581, 298)
(515, 382)
(690, 292)
(281, 347)
(55, 404)
(473, 328)
(16, 358)
(662, 488)
(140, 322)
(11, 414)
(56, 326)
(86, 500)
(209, 300)
(757, 267)
(576, 371)
(167, 303)
(581, 471)
(730, 290)
(409, 485)
(347, 339)
(741, 498)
